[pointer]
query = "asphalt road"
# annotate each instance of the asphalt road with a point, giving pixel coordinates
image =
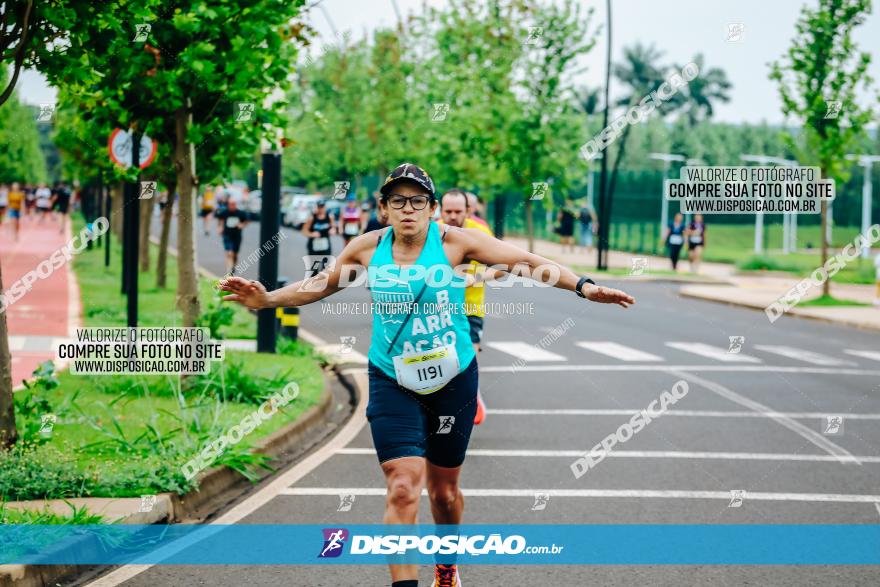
(754, 420)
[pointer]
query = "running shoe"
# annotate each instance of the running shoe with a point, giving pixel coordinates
(481, 410)
(446, 576)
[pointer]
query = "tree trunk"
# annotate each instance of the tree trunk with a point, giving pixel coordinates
(116, 210)
(8, 432)
(826, 286)
(187, 276)
(144, 245)
(162, 261)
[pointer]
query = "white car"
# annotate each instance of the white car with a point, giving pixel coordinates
(299, 209)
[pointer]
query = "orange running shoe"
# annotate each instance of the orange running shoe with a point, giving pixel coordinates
(481, 410)
(446, 576)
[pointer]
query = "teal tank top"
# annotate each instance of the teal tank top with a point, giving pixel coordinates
(435, 297)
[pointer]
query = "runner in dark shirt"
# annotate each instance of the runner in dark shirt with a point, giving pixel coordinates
(231, 222)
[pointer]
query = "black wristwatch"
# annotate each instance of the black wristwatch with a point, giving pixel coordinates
(581, 283)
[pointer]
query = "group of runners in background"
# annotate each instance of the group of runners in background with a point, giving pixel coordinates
(38, 202)
(694, 233)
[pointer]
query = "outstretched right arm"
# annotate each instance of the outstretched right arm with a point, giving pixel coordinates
(253, 294)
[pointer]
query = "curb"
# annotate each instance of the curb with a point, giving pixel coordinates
(793, 312)
(217, 487)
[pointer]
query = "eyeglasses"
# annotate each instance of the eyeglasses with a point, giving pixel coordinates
(397, 201)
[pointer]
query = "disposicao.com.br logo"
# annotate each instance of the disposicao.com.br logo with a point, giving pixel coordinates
(431, 544)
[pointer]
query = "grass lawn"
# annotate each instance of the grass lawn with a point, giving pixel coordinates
(104, 305)
(734, 243)
(831, 301)
(126, 435)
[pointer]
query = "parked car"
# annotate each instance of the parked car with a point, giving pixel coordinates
(298, 210)
(301, 207)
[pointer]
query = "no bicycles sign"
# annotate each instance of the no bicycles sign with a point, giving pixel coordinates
(119, 146)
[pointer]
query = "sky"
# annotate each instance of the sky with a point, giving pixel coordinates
(679, 28)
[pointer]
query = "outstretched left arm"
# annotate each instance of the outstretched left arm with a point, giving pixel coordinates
(493, 252)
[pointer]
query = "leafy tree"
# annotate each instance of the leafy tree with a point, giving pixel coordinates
(545, 128)
(819, 79)
(196, 65)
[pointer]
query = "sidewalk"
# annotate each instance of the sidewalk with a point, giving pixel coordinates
(50, 310)
(726, 286)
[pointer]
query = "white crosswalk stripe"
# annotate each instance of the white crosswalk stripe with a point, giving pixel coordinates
(525, 351)
(802, 355)
(618, 351)
(873, 355)
(712, 352)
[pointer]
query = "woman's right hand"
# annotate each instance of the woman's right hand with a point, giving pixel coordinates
(248, 293)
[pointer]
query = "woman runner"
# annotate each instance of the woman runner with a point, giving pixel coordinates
(319, 228)
(422, 368)
(674, 238)
(351, 219)
(696, 232)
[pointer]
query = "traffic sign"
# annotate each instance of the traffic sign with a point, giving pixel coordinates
(119, 147)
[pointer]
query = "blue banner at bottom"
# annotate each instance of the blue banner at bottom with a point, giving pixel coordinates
(617, 544)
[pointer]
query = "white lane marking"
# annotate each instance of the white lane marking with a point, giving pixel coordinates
(261, 497)
(713, 352)
(641, 454)
(873, 355)
(673, 412)
(802, 355)
(618, 351)
(525, 351)
(877, 505)
(671, 368)
(637, 493)
(843, 455)
(16, 343)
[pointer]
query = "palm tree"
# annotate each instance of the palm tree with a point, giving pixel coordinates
(640, 73)
(710, 85)
(8, 433)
